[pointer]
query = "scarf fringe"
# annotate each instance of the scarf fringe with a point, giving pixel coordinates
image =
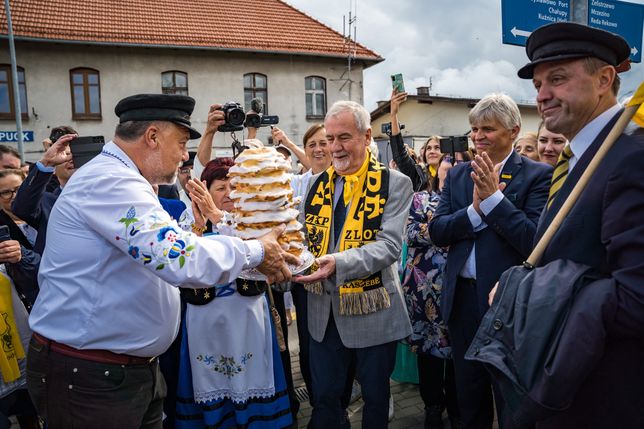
(370, 301)
(315, 288)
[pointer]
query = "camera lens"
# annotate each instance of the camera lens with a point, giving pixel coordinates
(236, 117)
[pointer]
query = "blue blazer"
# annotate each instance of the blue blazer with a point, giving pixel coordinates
(33, 204)
(605, 230)
(511, 226)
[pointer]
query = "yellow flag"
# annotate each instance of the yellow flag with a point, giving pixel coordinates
(638, 99)
(10, 346)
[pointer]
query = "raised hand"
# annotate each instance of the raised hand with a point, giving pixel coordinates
(58, 153)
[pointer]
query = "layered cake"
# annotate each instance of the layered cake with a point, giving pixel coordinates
(263, 197)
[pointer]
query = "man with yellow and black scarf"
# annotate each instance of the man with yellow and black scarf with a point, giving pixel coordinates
(354, 214)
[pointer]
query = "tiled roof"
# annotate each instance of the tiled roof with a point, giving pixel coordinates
(249, 25)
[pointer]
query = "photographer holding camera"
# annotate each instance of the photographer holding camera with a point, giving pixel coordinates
(403, 160)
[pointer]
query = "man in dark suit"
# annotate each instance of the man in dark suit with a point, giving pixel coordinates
(573, 68)
(33, 203)
(487, 216)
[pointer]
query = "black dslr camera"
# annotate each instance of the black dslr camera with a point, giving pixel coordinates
(237, 119)
(234, 116)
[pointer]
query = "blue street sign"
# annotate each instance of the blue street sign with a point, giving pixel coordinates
(519, 18)
(625, 19)
(12, 136)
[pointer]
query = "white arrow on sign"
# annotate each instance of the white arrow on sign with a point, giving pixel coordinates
(634, 51)
(523, 33)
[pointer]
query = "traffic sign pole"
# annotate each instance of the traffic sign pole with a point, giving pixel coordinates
(579, 11)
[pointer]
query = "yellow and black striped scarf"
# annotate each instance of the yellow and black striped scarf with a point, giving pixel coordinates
(367, 191)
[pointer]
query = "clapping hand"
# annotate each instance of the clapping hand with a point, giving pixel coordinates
(486, 179)
(203, 200)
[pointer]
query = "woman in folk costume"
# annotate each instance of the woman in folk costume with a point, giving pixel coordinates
(230, 372)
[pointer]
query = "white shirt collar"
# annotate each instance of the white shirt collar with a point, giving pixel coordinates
(584, 138)
(113, 151)
(505, 160)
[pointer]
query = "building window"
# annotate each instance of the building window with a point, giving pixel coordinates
(86, 93)
(174, 82)
(315, 90)
(7, 110)
(255, 86)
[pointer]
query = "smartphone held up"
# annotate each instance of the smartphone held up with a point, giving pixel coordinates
(397, 82)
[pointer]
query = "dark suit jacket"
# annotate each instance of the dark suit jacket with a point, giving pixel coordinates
(33, 204)
(507, 239)
(605, 230)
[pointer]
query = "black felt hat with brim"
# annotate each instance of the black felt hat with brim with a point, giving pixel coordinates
(568, 40)
(158, 107)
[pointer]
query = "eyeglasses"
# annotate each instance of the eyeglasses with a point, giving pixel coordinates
(8, 193)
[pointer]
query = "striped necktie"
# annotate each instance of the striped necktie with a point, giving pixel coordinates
(560, 173)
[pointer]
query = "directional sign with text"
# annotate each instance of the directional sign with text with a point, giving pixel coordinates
(519, 18)
(625, 19)
(12, 136)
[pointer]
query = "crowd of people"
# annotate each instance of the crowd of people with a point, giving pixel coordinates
(125, 303)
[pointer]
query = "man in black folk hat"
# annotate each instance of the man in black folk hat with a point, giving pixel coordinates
(107, 306)
(573, 69)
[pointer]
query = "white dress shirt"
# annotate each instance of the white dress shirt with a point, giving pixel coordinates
(587, 135)
(112, 257)
(487, 205)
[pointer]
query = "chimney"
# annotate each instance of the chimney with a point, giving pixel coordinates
(422, 90)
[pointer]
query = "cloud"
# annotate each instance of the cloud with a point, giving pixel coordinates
(456, 43)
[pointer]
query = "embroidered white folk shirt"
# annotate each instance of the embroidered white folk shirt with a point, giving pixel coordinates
(112, 258)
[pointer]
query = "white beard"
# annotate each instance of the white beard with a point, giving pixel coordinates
(341, 164)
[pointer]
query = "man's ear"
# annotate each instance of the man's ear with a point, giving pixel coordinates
(368, 136)
(514, 131)
(150, 136)
(605, 78)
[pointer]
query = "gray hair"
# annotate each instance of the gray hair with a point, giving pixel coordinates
(373, 147)
(361, 116)
(132, 130)
(496, 107)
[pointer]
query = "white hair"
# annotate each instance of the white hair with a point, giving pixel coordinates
(360, 114)
(373, 147)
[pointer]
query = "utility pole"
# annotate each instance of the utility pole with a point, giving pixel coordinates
(350, 46)
(579, 9)
(14, 80)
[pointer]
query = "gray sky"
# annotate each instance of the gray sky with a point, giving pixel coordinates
(456, 43)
